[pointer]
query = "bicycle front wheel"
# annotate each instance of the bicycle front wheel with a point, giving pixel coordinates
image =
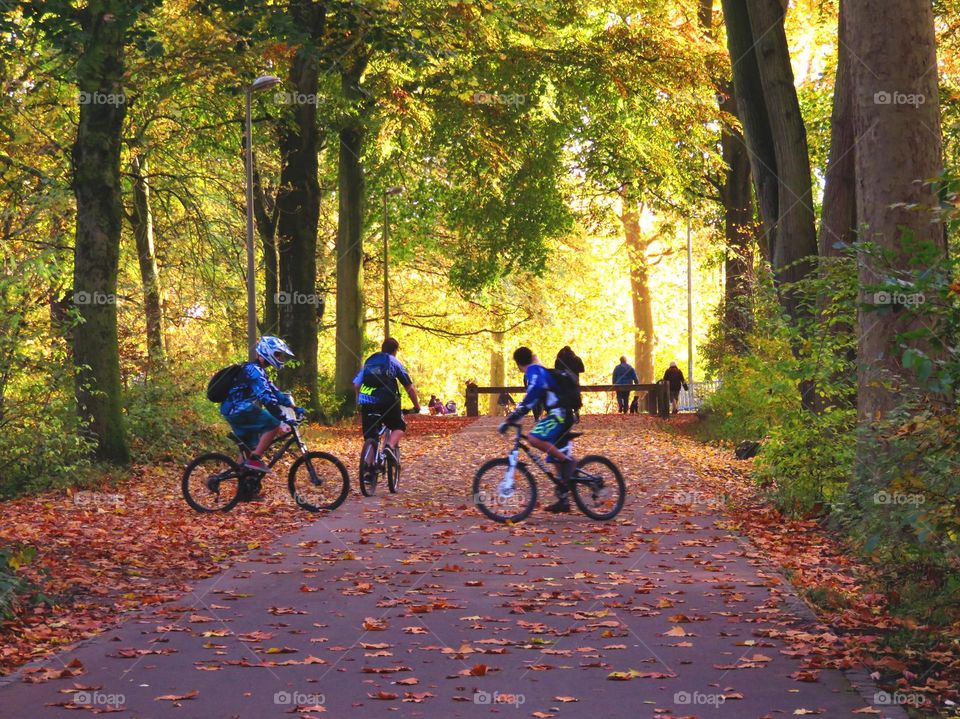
(513, 505)
(393, 472)
(368, 468)
(598, 488)
(318, 481)
(211, 483)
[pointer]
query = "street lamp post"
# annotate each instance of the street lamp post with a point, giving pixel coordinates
(386, 256)
(264, 82)
(689, 307)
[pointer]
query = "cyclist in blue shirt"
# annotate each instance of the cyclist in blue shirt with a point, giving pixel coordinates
(378, 397)
(548, 433)
(252, 406)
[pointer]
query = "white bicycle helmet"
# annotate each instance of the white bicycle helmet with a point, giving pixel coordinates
(274, 351)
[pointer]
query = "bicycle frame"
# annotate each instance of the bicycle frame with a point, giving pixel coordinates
(378, 455)
(514, 456)
(288, 440)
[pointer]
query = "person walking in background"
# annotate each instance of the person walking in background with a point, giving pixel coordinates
(674, 375)
(567, 361)
(623, 373)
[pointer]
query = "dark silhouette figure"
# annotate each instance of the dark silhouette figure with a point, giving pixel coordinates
(674, 375)
(624, 374)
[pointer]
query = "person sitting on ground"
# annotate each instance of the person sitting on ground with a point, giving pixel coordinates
(548, 433)
(379, 398)
(252, 407)
(435, 405)
(450, 408)
(674, 375)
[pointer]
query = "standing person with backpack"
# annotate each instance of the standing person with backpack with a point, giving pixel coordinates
(560, 396)
(379, 398)
(674, 375)
(250, 402)
(567, 361)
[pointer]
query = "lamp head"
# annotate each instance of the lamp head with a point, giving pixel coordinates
(264, 82)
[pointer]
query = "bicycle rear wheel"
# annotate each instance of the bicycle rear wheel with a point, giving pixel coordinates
(318, 480)
(489, 498)
(393, 472)
(368, 469)
(598, 488)
(211, 483)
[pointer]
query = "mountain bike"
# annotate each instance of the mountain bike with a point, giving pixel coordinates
(214, 482)
(374, 462)
(505, 491)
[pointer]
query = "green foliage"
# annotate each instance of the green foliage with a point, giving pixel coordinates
(47, 450)
(903, 509)
(169, 419)
(43, 443)
(808, 455)
(808, 459)
(756, 392)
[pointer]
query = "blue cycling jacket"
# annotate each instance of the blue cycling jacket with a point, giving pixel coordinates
(254, 390)
(540, 387)
(378, 380)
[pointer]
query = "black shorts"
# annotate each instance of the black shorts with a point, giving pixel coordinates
(372, 416)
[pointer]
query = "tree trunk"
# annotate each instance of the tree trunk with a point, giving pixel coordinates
(498, 371)
(752, 111)
(796, 236)
(96, 186)
(265, 215)
(644, 339)
(298, 209)
(839, 216)
(350, 245)
(737, 224)
(897, 121)
(737, 212)
(142, 221)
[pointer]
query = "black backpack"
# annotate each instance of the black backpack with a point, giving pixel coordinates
(222, 382)
(568, 389)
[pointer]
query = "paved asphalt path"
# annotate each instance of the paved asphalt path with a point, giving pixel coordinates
(414, 605)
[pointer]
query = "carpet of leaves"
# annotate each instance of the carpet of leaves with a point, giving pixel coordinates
(107, 551)
(101, 559)
(855, 617)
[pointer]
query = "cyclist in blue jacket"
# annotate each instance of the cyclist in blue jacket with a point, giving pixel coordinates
(378, 397)
(548, 432)
(252, 406)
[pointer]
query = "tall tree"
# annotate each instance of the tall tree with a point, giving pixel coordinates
(898, 153)
(96, 186)
(498, 370)
(98, 30)
(839, 215)
(738, 226)
(265, 215)
(298, 204)
(775, 135)
(737, 200)
(641, 298)
(352, 193)
(141, 219)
